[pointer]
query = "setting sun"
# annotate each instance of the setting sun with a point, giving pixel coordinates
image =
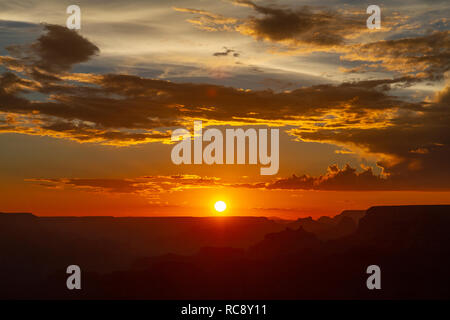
(220, 206)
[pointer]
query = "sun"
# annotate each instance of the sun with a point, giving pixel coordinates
(220, 206)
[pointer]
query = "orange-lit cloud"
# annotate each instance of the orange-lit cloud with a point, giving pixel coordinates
(149, 187)
(424, 56)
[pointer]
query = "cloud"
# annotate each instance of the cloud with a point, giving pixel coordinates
(305, 28)
(335, 179)
(444, 96)
(413, 148)
(344, 32)
(302, 26)
(423, 56)
(209, 21)
(226, 52)
(55, 51)
(108, 108)
(152, 187)
(148, 186)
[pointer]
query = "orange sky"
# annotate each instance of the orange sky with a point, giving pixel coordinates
(86, 116)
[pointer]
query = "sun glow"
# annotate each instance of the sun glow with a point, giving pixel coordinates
(220, 206)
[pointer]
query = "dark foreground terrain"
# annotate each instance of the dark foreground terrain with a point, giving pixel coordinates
(229, 258)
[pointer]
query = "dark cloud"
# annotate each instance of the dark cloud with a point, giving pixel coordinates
(309, 29)
(149, 186)
(304, 25)
(424, 56)
(226, 52)
(335, 179)
(55, 51)
(416, 144)
(123, 101)
(311, 26)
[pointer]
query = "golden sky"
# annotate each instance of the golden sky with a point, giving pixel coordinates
(86, 116)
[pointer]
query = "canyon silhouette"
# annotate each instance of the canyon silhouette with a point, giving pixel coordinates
(229, 257)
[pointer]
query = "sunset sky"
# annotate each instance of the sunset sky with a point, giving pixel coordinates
(86, 116)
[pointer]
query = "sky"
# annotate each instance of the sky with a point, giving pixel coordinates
(86, 115)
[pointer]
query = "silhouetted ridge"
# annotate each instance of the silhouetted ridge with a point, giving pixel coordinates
(419, 227)
(327, 228)
(285, 242)
(17, 215)
(355, 215)
(206, 258)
